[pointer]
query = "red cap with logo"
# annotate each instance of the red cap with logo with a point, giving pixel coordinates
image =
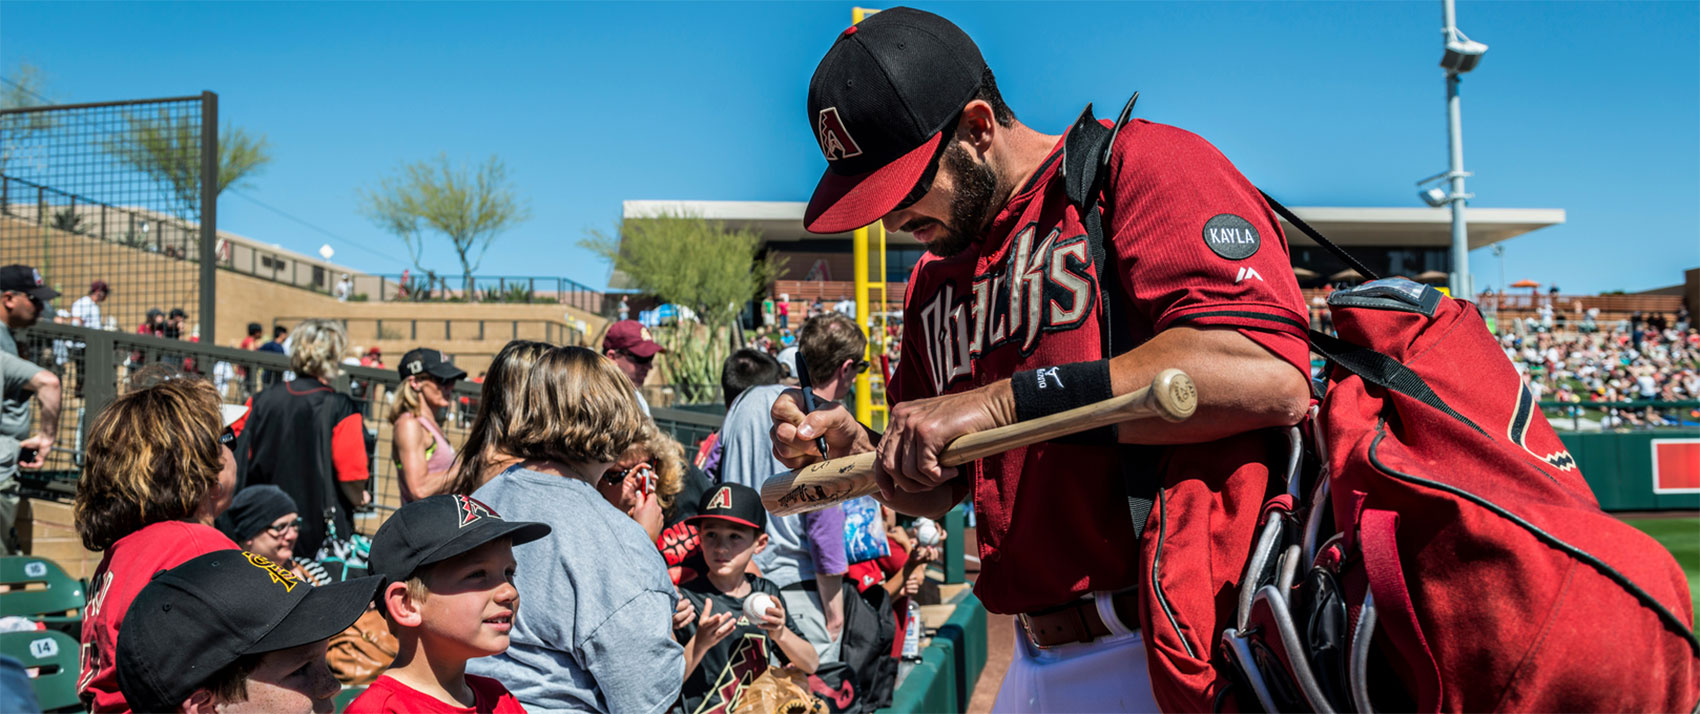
(631, 337)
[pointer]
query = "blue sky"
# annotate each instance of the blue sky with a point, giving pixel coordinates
(1589, 107)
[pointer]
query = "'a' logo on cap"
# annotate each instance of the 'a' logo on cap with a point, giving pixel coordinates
(835, 140)
(279, 575)
(471, 510)
(722, 499)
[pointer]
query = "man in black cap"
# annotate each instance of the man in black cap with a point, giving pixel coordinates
(449, 562)
(23, 297)
(232, 627)
(1063, 270)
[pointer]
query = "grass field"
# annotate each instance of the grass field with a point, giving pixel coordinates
(1682, 537)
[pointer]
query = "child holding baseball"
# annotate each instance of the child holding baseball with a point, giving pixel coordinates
(741, 627)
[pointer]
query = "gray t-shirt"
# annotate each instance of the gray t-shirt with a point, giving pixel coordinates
(15, 375)
(594, 627)
(7, 344)
(790, 556)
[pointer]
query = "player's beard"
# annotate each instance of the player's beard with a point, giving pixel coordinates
(976, 187)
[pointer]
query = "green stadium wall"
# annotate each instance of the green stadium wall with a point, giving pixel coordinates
(1619, 466)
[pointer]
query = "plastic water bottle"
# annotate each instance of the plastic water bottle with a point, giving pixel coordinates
(912, 633)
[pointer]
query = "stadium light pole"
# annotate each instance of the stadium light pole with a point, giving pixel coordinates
(1462, 55)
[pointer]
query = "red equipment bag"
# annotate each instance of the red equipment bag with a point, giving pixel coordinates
(1450, 555)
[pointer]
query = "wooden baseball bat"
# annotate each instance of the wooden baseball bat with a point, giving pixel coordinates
(1170, 397)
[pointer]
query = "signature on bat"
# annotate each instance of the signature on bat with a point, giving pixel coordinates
(815, 493)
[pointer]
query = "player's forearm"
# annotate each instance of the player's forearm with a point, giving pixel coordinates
(1241, 385)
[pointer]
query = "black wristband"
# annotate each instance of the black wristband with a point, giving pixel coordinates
(1048, 390)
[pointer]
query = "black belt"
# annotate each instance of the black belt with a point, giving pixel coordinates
(1078, 620)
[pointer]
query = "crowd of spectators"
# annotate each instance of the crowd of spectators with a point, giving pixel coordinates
(1647, 359)
(648, 582)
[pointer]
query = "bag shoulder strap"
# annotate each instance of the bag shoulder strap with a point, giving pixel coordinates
(1085, 171)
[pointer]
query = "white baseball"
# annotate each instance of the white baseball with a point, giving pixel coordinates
(756, 605)
(927, 532)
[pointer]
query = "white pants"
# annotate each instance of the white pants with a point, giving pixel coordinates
(1105, 675)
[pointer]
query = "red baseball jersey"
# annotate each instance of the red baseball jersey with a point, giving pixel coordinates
(1193, 244)
(129, 564)
(389, 696)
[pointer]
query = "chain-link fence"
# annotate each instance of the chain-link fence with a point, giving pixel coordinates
(112, 192)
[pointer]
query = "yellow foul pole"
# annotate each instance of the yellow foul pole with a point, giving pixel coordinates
(864, 395)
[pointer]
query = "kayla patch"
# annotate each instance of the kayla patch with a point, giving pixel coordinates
(1231, 237)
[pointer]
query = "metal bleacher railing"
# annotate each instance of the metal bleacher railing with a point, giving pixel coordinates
(93, 365)
(153, 231)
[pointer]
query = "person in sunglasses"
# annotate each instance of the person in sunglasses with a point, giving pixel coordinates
(424, 458)
(631, 348)
(264, 520)
(23, 297)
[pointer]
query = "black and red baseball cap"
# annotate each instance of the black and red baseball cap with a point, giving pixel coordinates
(27, 280)
(440, 527)
(879, 104)
(193, 620)
(733, 502)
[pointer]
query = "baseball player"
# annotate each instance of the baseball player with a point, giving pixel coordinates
(1004, 320)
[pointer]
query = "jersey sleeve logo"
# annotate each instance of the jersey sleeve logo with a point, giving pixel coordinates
(1231, 237)
(835, 140)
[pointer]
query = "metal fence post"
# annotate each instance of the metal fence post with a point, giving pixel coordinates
(209, 218)
(415, 329)
(99, 377)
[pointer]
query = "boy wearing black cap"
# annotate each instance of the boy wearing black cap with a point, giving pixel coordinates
(727, 648)
(230, 630)
(449, 597)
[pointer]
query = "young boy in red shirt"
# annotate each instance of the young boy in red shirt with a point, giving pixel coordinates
(449, 596)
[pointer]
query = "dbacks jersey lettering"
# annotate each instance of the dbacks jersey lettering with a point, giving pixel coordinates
(1184, 230)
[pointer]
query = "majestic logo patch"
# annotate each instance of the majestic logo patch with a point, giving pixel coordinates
(722, 499)
(835, 140)
(279, 575)
(1248, 274)
(1231, 237)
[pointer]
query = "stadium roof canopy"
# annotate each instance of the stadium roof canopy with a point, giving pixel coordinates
(782, 221)
(1405, 227)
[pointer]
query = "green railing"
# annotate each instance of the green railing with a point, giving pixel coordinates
(1577, 410)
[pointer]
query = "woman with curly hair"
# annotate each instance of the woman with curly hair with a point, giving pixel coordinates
(600, 638)
(156, 475)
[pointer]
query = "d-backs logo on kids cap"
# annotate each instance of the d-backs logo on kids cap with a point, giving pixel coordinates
(471, 510)
(722, 499)
(835, 140)
(279, 575)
